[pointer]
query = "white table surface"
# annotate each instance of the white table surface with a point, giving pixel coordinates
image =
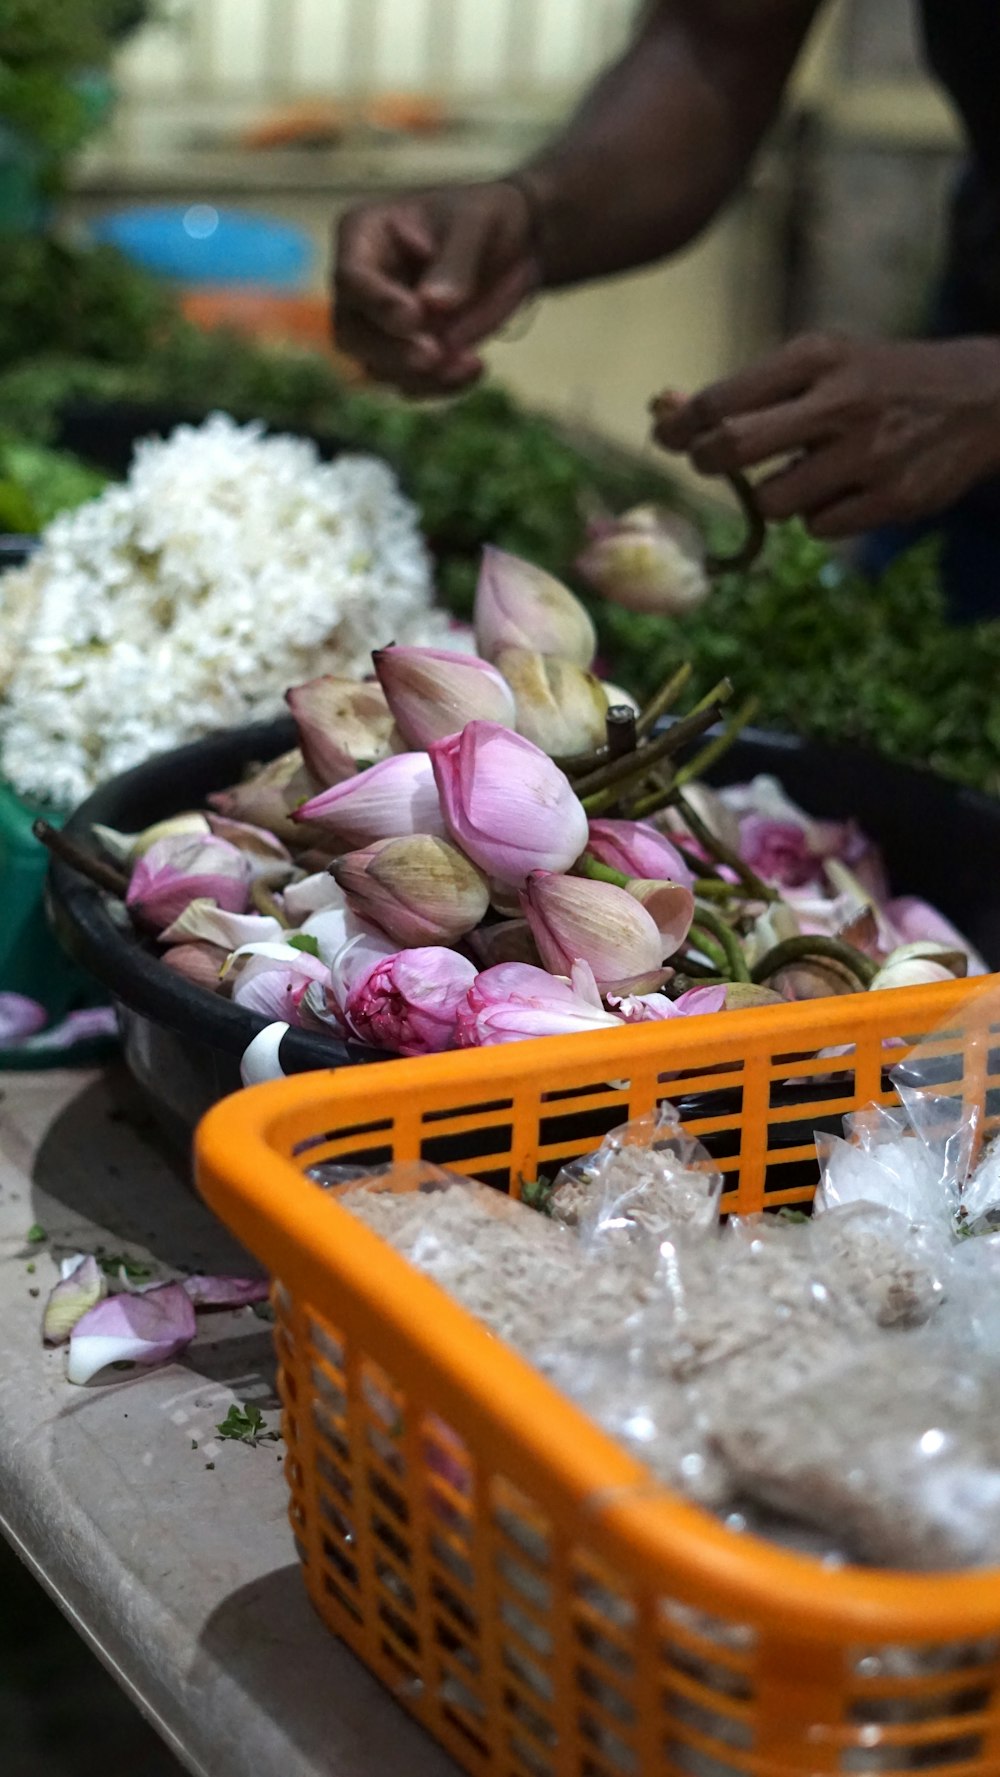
(181, 1577)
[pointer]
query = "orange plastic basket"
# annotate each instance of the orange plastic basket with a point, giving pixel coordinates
(519, 1581)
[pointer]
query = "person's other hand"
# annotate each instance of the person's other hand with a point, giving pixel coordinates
(420, 281)
(872, 432)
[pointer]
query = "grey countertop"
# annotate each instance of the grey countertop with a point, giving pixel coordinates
(182, 1578)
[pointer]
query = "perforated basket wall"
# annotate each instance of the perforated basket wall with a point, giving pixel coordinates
(515, 1577)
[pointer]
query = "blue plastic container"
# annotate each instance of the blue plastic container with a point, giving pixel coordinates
(199, 244)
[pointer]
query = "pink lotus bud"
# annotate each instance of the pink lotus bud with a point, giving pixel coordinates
(670, 906)
(637, 849)
(270, 797)
(521, 606)
(270, 861)
(505, 803)
(573, 918)
(396, 796)
(176, 871)
(419, 889)
(201, 964)
(513, 1001)
(648, 560)
(352, 965)
(433, 693)
(409, 1002)
(558, 706)
(342, 723)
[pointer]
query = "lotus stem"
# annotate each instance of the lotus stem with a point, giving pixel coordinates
(718, 849)
(95, 869)
(618, 772)
(708, 920)
(621, 730)
(756, 532)
(715, 952)
(716, 748)
(663, 700)
(598, 872)
(807, 948)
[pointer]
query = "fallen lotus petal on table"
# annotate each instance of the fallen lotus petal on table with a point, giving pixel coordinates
(140, 1329)
(79, 1289)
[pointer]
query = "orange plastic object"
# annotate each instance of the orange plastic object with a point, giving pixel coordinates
(312, 123)
(520, 1582)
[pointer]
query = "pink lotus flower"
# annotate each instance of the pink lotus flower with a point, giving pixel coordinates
(270, 861)
(572, 918)
(340, 722)
(418, 889)
(512, 1001)
(409, 1002)
(671, 908)
(647, 1008)
(507, 806)
(788, 847)
(396, 796)
(648, 560)
(433, 693)
(638, 849)
(521, 606)
(352, 965)
(174, 872)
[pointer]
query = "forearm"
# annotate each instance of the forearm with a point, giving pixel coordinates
(665, 137)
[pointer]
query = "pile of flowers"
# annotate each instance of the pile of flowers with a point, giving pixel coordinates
(226, 566)
(469, 849)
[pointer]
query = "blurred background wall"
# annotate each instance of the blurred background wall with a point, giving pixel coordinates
(296, 107)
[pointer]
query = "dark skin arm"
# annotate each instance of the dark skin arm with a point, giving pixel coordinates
(660, 142)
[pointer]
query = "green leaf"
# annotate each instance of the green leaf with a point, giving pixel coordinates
(306, 941)
(135, 1270)
(245, 1425)
(36, 1234)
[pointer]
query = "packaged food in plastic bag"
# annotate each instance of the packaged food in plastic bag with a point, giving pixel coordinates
(893, 1271)
(979, 1209)
(648, 1179)
(899, 1459)
(654, 1418)
(913, 1158)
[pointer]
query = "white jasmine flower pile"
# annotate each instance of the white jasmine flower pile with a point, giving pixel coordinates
(229, 565)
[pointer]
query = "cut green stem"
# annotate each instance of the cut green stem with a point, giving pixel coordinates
(597, 872)
(708, 920)
(663, 700)
(607, 783)
(708, 947)
(718, 849)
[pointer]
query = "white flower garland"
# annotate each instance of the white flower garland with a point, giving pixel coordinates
(228, 566)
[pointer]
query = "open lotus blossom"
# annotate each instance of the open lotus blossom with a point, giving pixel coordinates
(341, 723)
(433, 693)
(351, 965)
(418, 889)
(521, 606)
(558, 705)
(410, 1002)
(637, 849)
(574, 918)
(176, 871)
(140, 1329)
(648, 560)
(396, 796)
(512, 1001)
(782, 843)
(506, 805)
(648, 1008)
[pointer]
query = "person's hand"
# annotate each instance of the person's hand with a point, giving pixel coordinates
(420, 281)
(872, 432)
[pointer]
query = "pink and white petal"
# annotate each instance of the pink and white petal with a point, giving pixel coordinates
(146, 1329)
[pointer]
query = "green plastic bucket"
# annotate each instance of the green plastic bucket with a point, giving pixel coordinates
(32, 961)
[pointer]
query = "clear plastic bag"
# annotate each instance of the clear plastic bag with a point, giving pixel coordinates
(899, 1459)
(895, 1273)
(913, 1159)
(648, 1181)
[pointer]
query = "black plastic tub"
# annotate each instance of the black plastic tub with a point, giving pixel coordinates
(184, 1045)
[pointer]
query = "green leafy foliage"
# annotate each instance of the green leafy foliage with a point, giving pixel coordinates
(37, 483)
(245, 1425)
